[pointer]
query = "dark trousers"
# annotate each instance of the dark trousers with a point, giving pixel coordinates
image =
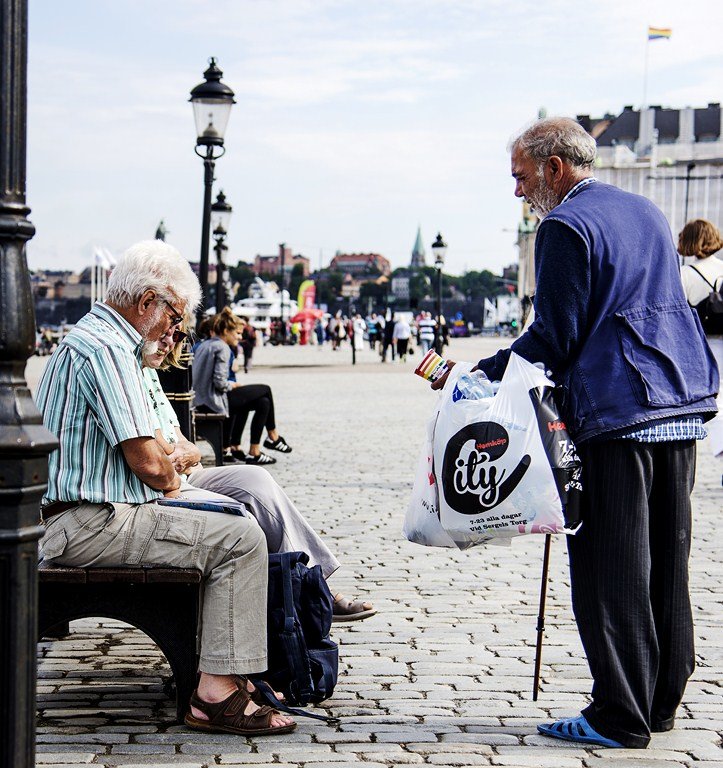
(629, 578)
(256, 398)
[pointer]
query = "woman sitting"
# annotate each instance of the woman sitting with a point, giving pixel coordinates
(217, 393)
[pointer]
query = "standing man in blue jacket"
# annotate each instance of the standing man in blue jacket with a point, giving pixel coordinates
(638, 382)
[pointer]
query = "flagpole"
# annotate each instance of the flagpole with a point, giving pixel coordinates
(645, 73)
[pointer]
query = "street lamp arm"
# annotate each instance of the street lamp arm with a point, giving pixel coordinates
(209, 153)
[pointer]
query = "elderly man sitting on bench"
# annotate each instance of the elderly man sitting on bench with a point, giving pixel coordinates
(109, 471)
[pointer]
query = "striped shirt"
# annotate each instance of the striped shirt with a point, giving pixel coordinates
(689, 428)
(92, 397)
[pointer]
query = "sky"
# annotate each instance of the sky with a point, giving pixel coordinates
(355, 122)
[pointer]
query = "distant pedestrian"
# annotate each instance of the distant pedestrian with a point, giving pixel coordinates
(319, 333)
(401, 335)
(247, 342)
(372, 330)
(426, 328)
(358, 327)
(388, 338)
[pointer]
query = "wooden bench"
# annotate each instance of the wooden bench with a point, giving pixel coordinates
(162, 602)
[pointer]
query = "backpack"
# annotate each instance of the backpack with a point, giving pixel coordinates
(710, 310)
(303, 660)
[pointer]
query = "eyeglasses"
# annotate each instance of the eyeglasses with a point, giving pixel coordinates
(179, 336)
(175, 318)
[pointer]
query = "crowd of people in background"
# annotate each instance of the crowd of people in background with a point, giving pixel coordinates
(392, 335)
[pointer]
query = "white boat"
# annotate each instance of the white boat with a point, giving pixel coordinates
(264, 304)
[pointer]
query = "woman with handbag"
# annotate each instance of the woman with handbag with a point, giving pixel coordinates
(701, 238)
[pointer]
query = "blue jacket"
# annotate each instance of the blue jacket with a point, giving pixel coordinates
(612, 322)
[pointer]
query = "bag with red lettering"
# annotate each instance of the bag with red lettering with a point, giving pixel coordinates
(505, 465)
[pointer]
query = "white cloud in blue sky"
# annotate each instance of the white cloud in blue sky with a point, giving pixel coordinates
(354, 122)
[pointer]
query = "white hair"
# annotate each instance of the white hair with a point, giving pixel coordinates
(156, 266)
(561, 136)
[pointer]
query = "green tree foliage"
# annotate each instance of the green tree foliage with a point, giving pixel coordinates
(479, 285)
(295, 280)
(328, 286)
(242, 275)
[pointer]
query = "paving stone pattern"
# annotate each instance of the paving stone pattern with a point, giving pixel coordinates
(443, 674)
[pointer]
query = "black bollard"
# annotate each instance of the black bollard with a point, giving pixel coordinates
(24, 442)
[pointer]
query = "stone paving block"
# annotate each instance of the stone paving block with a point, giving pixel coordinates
(347, 764)
(551, 760)
(458, 760)
(483, 737)
(64, 758)
(82, 738)
(143, 749)
(229, 758)
(642, 762)
(684, 740)
(156, 760)
(390, 753)
(344, 737)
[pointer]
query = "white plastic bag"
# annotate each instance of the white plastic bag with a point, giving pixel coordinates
(505, 465)
(421, 523)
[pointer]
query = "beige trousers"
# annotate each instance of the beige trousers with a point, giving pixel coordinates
(229, 550)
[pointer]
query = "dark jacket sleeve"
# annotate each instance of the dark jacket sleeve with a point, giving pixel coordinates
(562, 273)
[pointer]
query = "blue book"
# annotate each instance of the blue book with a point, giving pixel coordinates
(207, 505)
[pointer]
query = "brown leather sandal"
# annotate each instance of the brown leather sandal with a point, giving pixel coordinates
(228, 716)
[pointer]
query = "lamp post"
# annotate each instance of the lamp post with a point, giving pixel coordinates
(24, 442)
(221, 215)
(212, 101)
(439, 249)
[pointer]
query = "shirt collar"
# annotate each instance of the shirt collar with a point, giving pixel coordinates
(124, 328)
(580, 184)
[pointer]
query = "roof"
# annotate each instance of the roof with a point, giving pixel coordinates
(418, 249)
(626, 126)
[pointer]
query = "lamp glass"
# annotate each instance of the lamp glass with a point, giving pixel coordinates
(221, 219)
(439, 251)
(211, 116)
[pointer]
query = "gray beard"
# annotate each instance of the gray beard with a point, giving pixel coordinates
(149, 349)
(543, 199)
(150, 346)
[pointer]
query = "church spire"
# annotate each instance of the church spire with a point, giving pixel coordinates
(418, 251)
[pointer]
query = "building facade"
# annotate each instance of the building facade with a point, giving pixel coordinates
(361, 264)
(284, 261)
(674, 157)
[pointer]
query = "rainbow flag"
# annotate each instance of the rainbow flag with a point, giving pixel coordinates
(659, 33)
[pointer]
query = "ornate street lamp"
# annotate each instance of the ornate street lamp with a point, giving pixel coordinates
(212, 101)
(24, 442)
(221, 216)
(439, 250)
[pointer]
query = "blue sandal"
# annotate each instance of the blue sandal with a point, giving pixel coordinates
(576, 729)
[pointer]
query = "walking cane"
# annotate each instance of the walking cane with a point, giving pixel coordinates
(541, 617)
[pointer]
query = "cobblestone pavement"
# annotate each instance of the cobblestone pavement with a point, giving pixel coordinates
(443, 674)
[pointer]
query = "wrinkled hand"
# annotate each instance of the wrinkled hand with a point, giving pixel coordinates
(443, 379)
(184, 456)
(172, 494)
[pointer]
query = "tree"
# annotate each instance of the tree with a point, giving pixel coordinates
(328, 286)
(241, 275)
(295, 280)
